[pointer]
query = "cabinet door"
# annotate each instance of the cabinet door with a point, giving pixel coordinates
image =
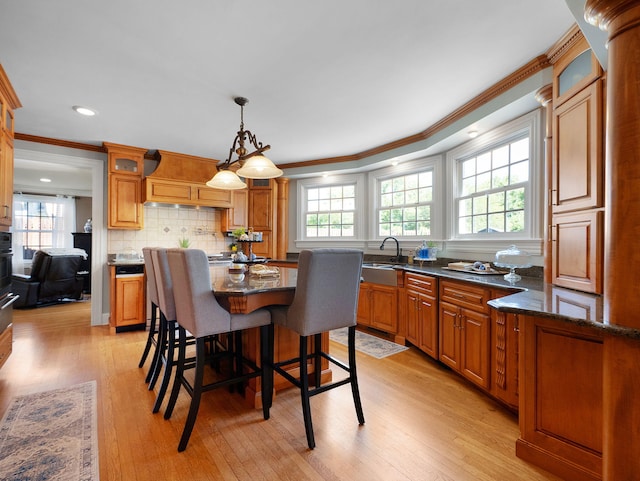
(475, 344)
(129, 301)
(577, 161)
(261, 210)
(449, 335)
(384, 308)
(237, 215)
(578, 251)
(428, 322)
(412, 313)
(364, 305)
(125, 201)
(6, 179)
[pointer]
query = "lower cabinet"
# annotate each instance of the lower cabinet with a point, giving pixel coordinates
(464, 340)
(378, 307)
(127, 301)
(561, 398)
(421, 312)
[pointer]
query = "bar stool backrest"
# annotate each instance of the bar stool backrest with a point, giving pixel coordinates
(164, 282)
(197, 309)
(152, 288)
(327, 290)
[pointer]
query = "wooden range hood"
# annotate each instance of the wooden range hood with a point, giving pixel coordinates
(181, 179)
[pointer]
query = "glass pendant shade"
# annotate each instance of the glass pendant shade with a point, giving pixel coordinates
(259, 167)
(226, 179)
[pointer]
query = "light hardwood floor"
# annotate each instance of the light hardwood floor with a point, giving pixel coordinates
(422, 421)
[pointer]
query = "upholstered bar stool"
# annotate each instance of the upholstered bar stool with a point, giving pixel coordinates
(199, 312)
(326, 298)
(152, 338)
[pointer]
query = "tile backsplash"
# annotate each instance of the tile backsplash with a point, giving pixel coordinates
(165, 226)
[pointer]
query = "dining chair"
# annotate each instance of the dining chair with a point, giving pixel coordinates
(152, 337)
(198, 312)
(326, 298)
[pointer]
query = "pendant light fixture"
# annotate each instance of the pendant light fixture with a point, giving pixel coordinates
(253, 165)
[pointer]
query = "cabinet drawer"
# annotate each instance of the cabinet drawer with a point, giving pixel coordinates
(465, 295)
(424, 284)
(168, 192)
(215, 197)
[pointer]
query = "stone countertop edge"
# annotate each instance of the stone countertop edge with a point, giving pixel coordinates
(534, 297)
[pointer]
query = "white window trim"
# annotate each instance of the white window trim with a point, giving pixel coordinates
(433, 162)
(531, 239)
(357, 241)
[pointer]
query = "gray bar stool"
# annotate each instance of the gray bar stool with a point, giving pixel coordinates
(199, 313)
(326, 298)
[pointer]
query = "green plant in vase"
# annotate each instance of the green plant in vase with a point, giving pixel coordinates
(237, 233)
(184, 243)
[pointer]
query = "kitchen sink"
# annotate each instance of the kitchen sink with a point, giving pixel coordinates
(380, 274)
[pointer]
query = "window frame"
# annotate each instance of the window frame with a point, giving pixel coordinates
(433, 163)
(303, 185)
(531, 236)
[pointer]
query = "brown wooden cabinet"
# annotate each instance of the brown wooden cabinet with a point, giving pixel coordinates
(378, 307)
(237, 215)
(421, 312)
(561, 398)
(126, 168)
(576, 181)
(128, 302)
(464, 330)
(262, 215)
(8, 103)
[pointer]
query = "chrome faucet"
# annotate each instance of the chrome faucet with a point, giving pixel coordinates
(398, 252)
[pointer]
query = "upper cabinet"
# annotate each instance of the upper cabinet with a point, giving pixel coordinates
(576, 174)
(181, 179)
(8, 103)
(126, 168)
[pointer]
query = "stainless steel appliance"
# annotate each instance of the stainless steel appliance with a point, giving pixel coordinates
(6, 297)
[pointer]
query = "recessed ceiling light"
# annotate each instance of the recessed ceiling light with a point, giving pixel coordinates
(44, 179)
(84, 110)
(473, 133)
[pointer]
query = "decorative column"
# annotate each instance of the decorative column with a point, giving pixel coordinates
(282, 225)
(621, 370)
(621, 18)
(544, 95)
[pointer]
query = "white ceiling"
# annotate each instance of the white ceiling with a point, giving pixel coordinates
(324, 78)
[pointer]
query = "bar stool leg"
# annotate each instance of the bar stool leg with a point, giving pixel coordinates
(177, 380)
(169, 363)
(147, 348)
(317, 359)
(266, 364)
(201, 354)
(304, 392)
(351, 341)
(161, 346)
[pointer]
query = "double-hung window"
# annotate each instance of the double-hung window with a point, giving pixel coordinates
(329, 208)
(495, 184)
(406, 200)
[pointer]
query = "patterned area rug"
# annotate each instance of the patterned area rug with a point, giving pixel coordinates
(51, 435)
(368, 344)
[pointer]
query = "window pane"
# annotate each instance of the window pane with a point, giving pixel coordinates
(312, 194)
(425, 179)
(496, 202)
(325, 204)
(336, 204)
(484, 181)
(468, 168)
(398, 198)
(409, 214)
(423, 228)
(396, 215)
(312, 206)
(349, 204)
(480, 205)
(500, 178)
(515, 199)
(501, 156)
(464, 207)
(465, 225)
(480, 223)
(412, 196)
(496, 222)
(520, 150)
(398, 184)
(520, 172)
(469, 186)
(336, 192)
(423, 212)
(349, 190)
(385, 186)
(411, 182)
(312, 219)
(426, 195)
(515, 221)
(483, 163)
(386, 200)
(347, 217)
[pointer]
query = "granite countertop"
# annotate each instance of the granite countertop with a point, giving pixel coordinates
(532, 296)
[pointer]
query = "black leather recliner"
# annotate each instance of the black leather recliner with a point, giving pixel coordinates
(53, 277)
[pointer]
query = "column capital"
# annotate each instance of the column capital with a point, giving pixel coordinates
(544, 94)
(603, 14)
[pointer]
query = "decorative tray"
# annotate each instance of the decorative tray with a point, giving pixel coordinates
(264, 271)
